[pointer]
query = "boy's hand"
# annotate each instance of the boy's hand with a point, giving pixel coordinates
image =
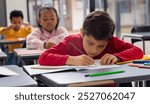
(82, 60)
(108, 59)
(28, 26)
(47, 45)
(25, 24)
(9, 27)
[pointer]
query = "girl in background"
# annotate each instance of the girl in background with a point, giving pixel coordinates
(47, 33)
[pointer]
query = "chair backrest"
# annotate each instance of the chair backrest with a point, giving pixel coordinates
(144, 28)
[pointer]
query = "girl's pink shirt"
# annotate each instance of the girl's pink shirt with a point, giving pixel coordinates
(37, 38)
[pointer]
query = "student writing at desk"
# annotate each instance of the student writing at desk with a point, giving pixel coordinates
(48, 33)
(96, 41)
(17, 29)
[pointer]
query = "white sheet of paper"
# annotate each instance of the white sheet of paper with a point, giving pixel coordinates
(38, 69)
(97, 65)
(56, 67)
(6, 71)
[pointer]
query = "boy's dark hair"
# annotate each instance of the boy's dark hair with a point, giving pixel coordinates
(16, 13)
(48, 8)
(99, 25)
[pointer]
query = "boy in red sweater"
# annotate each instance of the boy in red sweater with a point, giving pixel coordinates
(96, 41)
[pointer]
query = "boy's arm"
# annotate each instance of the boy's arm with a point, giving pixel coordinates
(4, 30)
(56, 55)
(28, 27)
(127, 51)
(63, 54)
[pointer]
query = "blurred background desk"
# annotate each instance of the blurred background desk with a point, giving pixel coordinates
(17, 80)
(143, 36)
(11, 41)
(3, 58)
(27, 55)
(5, 42)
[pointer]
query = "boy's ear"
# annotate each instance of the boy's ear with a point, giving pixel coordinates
(81, 32)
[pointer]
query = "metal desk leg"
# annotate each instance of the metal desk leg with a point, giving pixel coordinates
(144, 84)
(4, 61)
(122, 37)
(35, 62)
(143, 45)
(135, 84)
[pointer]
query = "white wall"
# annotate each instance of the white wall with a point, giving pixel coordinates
(74, 18)
(16, 4)
(77, 15)
(47, 2)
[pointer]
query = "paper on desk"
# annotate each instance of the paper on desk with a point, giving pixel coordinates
(38, 69)
(6, 71)
(56, 67)
(97, 65)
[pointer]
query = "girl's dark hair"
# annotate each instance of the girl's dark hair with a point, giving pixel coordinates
(99, 25)
(48, 8)
(16, 13)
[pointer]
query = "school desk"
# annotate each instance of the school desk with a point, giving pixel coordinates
(22, 79)
(3, 57)
(11, 41)
(27, 54)
(139, 35)
(5, 42)
(69, 78)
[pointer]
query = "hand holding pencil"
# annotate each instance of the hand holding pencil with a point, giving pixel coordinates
(81, 60)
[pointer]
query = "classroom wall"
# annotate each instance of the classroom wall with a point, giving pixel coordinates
(74, 16)
(77, 14)
(47, 2)
(16, 4)
(3, 21)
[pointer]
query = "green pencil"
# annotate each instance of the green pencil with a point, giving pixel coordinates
(104, 73)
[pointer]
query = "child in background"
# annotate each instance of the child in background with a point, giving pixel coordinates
(17, 29)
(96, 41)
(48, 33)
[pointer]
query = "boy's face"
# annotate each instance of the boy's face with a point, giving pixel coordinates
(92, 46)
(48, 20)
(17, 22)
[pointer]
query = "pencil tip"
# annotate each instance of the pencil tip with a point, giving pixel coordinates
(86, 75)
